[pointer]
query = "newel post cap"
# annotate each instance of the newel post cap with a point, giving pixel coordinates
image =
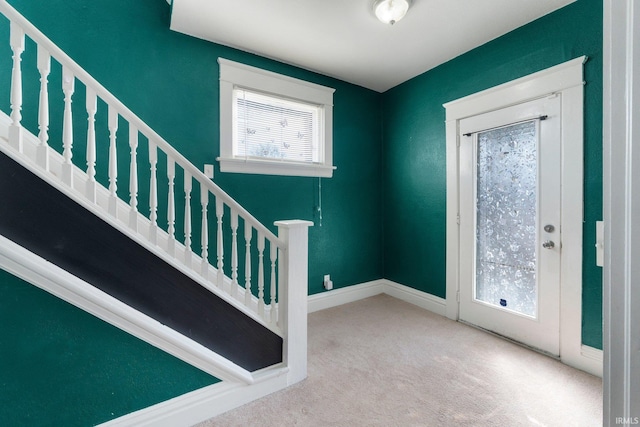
(293, 223)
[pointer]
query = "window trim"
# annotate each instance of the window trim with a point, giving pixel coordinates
(237, 75)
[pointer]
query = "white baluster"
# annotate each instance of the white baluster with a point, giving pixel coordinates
(68, 87)
(247, 264)
(273, 289)
(44, 66)
(171, 206)
(204, 200)
(133, 178)
(17, 46)
(219, 213)
(153, 193)
(234, 253)
(187, 218)
(113, 161)
(92, 107)
(260, 274)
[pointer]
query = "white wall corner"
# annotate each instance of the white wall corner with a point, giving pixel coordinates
(621, 162)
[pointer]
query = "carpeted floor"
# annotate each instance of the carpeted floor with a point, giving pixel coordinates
(384, 362)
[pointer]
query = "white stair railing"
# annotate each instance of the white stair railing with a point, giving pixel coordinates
(238, 287)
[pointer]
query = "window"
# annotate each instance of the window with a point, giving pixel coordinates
(272, 128)
(273, 124)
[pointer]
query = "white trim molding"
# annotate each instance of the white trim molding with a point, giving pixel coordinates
(591, 360)
(236, 75)
(424, 300)
(345, 295)
(353, 293)
(202, 404)
(621, 175)
(566, 80)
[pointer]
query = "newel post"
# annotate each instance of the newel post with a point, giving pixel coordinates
(293, 291)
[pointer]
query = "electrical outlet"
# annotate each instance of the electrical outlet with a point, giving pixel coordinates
(328, 284)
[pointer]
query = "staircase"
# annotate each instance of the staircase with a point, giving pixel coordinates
(230, 301)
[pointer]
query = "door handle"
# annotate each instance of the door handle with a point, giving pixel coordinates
(548, 244)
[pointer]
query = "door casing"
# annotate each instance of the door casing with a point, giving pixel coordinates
(565, 79)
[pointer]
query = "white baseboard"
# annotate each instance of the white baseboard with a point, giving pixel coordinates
(203, 404)
(585, 358)
(421, 299)
(591, 360)
(346, 295)
(353, 293)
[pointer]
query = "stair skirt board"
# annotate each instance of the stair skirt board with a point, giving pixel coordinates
(40, 218)
(205, 403)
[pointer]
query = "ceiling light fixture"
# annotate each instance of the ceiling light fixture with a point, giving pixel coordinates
(390, 11)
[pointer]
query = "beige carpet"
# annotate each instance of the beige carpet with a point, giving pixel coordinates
(384, 362)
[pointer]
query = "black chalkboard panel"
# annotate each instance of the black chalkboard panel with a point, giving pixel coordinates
(42, 219)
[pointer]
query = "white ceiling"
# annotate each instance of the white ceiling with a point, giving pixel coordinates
(343, 39)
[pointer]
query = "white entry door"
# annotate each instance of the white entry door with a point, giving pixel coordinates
(510, 231)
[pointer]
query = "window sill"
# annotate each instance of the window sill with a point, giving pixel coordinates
(267, 167)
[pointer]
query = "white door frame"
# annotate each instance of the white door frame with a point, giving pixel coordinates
(621, 381)
(566, 80)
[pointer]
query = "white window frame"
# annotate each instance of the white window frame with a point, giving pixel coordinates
(236, 75)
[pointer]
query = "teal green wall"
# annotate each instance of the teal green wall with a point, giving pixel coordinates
(389, 149)
(60, 366)
(414, 146)
(171, 81)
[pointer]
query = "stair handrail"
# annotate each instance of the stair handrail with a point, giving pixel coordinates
(288, 250)
(82, 75)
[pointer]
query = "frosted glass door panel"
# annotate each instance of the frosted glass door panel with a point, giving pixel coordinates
(509, 200)
(506, 202)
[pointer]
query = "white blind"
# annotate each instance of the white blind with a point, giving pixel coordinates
(275, 128)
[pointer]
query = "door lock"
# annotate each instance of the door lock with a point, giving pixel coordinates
(548, 244)
(549, 228)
